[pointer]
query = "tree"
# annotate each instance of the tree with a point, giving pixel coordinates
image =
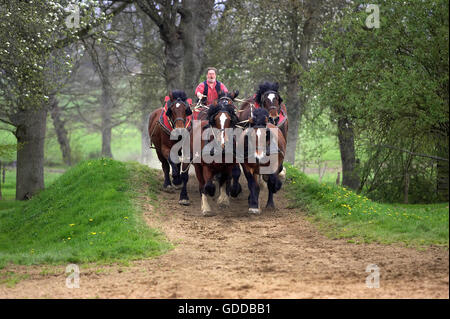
(32, 34)
(262, 40)
(182, 26)
(391, 83)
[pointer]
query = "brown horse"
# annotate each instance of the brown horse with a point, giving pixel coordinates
(267, 97)
(212, 160)
(266, 139)
(175, 114)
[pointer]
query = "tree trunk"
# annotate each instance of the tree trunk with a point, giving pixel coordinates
(346, 138)
(174, 62)
(406, 189)
(299, 58)
(61, 132)
(30, 134)
(184, 41)
(194, 36)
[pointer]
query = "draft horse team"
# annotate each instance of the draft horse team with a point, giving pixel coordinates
(219, 140)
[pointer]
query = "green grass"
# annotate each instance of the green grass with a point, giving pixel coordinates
(341, 213)
(85, 144)
(10, 278)
(89, 214)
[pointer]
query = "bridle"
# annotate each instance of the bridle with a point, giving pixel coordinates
(272, 106)
(172, 122)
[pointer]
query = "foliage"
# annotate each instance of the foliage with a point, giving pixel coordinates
(88, 214)
(30, 34)
(393, 83)
(345, 214)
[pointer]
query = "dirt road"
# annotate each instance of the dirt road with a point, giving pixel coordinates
(232, 255)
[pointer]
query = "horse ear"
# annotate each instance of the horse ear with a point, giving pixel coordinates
(171, 96)
(236, 93)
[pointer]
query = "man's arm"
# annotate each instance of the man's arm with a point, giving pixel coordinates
(199, 90)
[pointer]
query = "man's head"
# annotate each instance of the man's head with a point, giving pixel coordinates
(211, 74)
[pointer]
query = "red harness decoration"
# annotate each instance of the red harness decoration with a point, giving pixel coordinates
(281, 117)
(165, 121)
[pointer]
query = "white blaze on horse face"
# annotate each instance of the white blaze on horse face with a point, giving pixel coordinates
(271, 96)
(259, 154)
(222, 119)
(177, 105)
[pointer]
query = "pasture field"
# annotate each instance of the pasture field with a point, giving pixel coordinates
(341, 213)
(90, 213)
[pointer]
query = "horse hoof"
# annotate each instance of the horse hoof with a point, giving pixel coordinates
(168, 189)
(270, 207)
(184, 202)
(254, 211)
(208, 213)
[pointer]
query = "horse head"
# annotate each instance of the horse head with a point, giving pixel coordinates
(269, 98)
(222, 115)
(178, 108)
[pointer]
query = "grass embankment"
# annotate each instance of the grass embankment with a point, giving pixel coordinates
(90, 213)
(342, 213)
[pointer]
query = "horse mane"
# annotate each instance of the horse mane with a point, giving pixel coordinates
(222, 107)
(263, 88)
(259, 117)
(179, 94)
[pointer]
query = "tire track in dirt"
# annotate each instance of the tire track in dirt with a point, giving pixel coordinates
(277, 254)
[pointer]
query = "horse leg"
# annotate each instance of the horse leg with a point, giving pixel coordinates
(184, 198)
(206, 209)
(176, 178)
(224, 183)
(209, 189)
(253, 186)
(273, 185)
(167, 186)
(236, 187)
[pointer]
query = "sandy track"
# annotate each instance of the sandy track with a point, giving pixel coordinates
(232, 255)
